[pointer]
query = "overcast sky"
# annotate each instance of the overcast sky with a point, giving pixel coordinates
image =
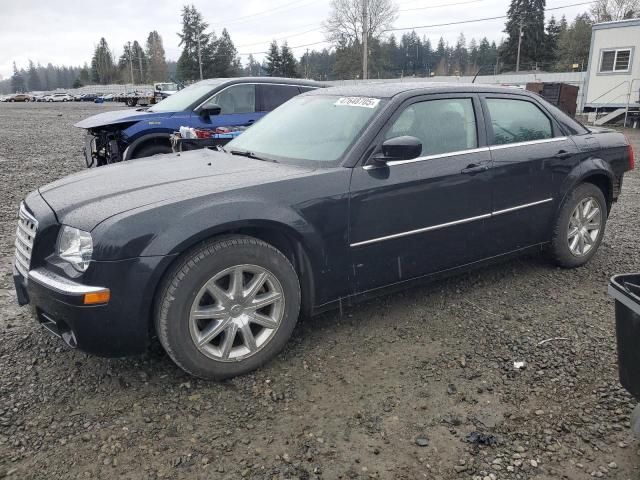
(65, 32)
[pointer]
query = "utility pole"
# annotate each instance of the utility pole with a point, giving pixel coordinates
(306, 68)
(199, 55)
(140, 64)
(519, 45)
(365, 38)
(131, 64)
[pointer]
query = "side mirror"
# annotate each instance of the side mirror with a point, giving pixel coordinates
(399, 148)
(209, 111)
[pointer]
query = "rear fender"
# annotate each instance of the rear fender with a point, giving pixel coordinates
(592, 166)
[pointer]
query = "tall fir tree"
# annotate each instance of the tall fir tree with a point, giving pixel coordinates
(18, 83)
(33, 78)
(524, 18)
(157, 69)
(102, 66)
(195, 44)
(288, 64)
(273, 59)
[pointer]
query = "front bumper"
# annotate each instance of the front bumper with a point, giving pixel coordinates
(118, 328)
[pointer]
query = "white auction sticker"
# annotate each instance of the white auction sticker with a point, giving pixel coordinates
(365, 102)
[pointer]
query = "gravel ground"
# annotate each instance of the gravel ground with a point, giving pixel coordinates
(419, 384)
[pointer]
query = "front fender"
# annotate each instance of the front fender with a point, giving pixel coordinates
(161, 230)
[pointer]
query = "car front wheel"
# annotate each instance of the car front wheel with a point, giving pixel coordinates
(227, 307)
(580, 225)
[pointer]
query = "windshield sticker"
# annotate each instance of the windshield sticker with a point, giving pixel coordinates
(365, 102)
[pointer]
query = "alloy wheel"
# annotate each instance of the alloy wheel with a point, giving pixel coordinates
(236, 313)
(584, 226)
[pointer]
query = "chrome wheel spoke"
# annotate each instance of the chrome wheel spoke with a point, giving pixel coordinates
(213, 330)
(216, 292)
(205, 313)
(573, 231)
(263, 320)
(247, 336)
(229, 337)
(264, 300)
(236, 284)
(255, 285)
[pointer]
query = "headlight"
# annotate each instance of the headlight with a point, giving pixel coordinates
(75, 247)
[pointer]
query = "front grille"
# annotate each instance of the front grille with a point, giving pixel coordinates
(25, 235)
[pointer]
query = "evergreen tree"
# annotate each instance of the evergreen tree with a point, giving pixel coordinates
(157, 69)
(574, 44)
(18, 83)
(288, 64)
(273, 65)
(33, 79)
(83, 75)
(526, 16)
(253, 68)
(195, 44)
(442, 66)
(552, 36)
(102, 66)
(224, 57)
(459, 59)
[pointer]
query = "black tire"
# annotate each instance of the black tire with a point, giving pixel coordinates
(560, 251)
(152, 149)
(182, 284)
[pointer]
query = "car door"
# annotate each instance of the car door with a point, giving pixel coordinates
(238, 107)
(420, 216)
(531, 157)
(271, 96)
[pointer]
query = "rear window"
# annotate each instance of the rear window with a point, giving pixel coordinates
(271, 97)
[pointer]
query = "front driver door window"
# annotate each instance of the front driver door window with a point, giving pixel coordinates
(427, 214)
(238, 107)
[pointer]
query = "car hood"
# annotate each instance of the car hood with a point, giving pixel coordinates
(118, 116)
(85, 199)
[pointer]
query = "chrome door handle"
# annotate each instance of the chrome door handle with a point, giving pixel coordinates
(474, 168)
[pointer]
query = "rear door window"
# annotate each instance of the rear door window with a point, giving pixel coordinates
(271, 97)
(443, 126)
(515, 121)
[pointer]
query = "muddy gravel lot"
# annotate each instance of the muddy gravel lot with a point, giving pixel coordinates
(414, 385)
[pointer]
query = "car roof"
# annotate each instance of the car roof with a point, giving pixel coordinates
(388, 90)
(288, 81)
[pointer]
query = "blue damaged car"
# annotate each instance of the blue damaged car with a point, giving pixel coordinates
(128, 134)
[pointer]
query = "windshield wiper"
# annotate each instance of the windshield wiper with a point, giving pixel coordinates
(248, 154)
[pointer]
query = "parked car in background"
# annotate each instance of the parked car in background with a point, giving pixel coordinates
(39, 98)
(59, 97)
(20, 97)
(333, 196)
(89, 97)
(126, 134)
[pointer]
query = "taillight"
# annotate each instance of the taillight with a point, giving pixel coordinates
(632, 160)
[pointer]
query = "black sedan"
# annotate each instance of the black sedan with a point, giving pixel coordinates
(331, 197)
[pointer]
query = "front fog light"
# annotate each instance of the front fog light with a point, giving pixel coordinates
(75, 247)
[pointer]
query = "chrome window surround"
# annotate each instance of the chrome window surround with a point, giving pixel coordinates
(25, 237)
(392, 163)
(450, 224)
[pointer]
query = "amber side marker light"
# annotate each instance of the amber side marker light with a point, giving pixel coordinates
(97, 298)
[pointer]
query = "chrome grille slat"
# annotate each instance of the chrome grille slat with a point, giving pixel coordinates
(25, 236)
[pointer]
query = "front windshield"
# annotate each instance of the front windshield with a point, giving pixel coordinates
(186, 97)
(314, 128)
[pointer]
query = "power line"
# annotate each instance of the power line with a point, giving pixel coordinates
(461, 22)
(440, 6)
(265, 13)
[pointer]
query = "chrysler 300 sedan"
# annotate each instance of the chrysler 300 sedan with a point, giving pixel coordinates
(331, 197)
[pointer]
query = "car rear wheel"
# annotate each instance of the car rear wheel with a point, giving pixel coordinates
(228, 307)
(580, 225)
